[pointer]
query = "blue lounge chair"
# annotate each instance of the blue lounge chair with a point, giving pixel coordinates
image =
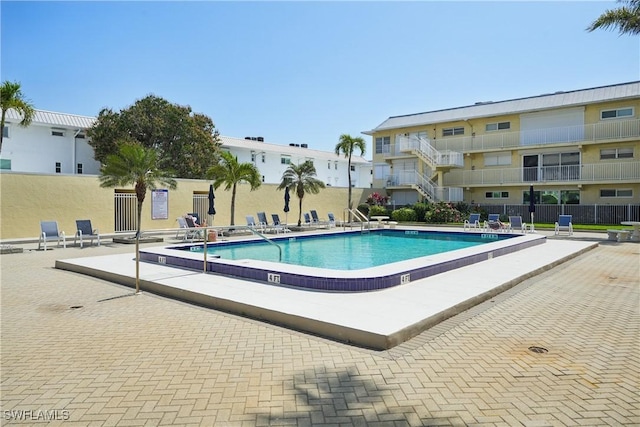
(332, 220)
(307, 219)
(278, 226)
(315, 219)
(564, 224)
(493, 223)
(472, 222)
(516, 224)
(49, 231)
(84, 230)
(262, 221)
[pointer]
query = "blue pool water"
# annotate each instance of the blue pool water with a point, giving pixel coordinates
(351, 251)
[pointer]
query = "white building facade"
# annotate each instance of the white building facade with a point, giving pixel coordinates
(57, 143)
(53, 143)
(272, 160)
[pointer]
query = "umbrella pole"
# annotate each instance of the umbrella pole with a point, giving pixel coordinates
(533, 230)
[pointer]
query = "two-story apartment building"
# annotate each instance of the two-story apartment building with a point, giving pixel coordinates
(574, 147)
(58, 143)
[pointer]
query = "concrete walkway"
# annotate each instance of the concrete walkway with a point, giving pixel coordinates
(83, 351)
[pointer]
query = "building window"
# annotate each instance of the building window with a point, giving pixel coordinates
(616, 153)
(5, 132)
(383, 145)
(58, 167)
(57, 132)
(496, 159)
(496, 195)
(611, 192)
(616, 113)
(79, 169)
(329, 165)
(453, 131)
(335, 165)
(253, 156)
(490, 127)
(81, 136)
(285, 160)
(263, 157)
(353, 168)
(262, 178)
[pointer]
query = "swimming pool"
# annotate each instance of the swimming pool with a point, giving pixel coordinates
(355, 280)
(349, 251)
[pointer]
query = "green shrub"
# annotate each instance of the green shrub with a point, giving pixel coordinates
(421, 210)
(442, 213)
(377, 210)
(404, 214)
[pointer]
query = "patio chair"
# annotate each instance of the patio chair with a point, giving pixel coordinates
(307, 219)
(472, 222)
(332, 220)
(315, 219)
(84, 230)
(493, 223)
(49, 231)
(251, 222)
(263, 223)
(515, 223)
(191, 225)
(278, 226)
(188, 234)
(564, 224)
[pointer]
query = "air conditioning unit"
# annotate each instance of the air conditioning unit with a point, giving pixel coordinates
(304, 145)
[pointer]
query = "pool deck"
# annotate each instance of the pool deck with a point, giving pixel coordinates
(377, 319)
(92, 354)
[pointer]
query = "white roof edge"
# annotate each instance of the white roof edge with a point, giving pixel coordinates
(257, 146)
(555, 100)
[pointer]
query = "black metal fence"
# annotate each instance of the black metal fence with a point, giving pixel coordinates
(582, 214)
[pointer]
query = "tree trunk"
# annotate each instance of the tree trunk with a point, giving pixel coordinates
(300, 213)
(139, 219)
(233, 204)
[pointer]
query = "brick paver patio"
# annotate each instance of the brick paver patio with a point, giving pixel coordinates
(127, 360)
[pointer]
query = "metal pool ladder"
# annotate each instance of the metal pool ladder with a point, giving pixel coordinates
(363, 219)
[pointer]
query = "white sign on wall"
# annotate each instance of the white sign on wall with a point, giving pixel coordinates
(160, 204)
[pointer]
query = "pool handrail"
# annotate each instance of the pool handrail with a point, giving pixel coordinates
(356, 213)
(206, 234)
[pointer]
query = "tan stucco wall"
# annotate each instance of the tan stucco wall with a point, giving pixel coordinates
(27, 199)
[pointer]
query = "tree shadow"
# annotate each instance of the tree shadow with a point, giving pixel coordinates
(340, 396)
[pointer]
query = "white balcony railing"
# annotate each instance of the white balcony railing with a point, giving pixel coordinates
(424, 149)
(425, 186)
(615, 129)
(585, 173)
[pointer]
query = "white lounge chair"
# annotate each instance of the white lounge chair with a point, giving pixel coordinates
(516, 224)
(84, 231)
(564, 224)
(472, 222)
(49, 231)
(493, 223)
(278, 226)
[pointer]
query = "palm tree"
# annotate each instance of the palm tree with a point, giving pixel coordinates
(346, 146)
(11, 97)
(625, 18)
(137, 165)
(229, 172)
(301, 179)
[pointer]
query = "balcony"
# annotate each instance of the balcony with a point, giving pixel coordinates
(577, 174)
(610, 130)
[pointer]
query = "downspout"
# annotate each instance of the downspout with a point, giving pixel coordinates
(74, 165)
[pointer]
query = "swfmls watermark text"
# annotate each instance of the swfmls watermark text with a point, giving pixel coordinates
(36, 415)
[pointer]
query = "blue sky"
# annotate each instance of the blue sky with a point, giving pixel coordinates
(306, 72)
